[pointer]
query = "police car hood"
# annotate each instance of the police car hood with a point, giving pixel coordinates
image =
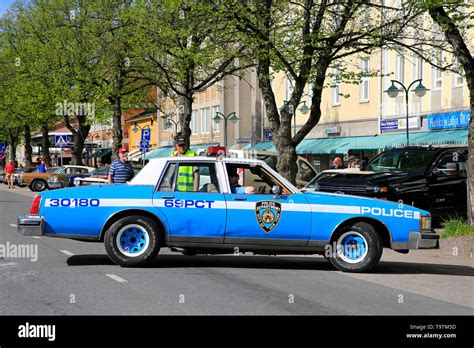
(359, 205)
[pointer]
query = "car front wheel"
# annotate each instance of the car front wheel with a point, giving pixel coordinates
(38, 185)
(132, 241)
(358, 248)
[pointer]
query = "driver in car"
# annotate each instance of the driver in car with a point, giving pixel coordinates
(236, 188)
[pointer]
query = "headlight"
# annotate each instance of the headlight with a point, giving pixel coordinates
(425, 222)
(53, 179)
(77, 182)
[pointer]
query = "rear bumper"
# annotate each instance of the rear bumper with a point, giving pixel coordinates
(30, 225)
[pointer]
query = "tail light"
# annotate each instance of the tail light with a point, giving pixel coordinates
(35, 205)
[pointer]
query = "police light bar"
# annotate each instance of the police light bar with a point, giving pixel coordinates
(216, 151)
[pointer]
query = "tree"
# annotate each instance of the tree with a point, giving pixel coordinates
(454, 23)
(186, 47)
(303, 39)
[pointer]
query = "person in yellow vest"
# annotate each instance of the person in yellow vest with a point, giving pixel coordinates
(188, 177)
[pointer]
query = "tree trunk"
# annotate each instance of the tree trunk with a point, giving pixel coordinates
(465, 58)
(46, 144)
(13, 140)
(185, 113)
(286, 163)
(80, 136)
(116, 125)
(28, 148)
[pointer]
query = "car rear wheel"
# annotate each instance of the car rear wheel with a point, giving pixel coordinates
(132, 241)
(358, 248)
(38, 185)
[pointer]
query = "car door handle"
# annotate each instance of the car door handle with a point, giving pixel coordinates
(240, 198)
(167, 197)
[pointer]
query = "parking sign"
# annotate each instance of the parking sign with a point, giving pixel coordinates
(146, 134)
(144, 145)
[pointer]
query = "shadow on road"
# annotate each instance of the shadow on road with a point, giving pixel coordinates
(269, 262)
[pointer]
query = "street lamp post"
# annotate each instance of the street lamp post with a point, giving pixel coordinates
(170, 122)
(393, 91)
(230, 117)
(304, 110)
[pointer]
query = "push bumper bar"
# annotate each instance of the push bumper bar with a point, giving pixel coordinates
(423, 240)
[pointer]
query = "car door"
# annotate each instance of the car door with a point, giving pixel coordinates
(196, 216)
(263, 218)
(447, 184)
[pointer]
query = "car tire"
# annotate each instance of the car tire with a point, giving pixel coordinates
(358, 248)
(132, 241)
(38, 185)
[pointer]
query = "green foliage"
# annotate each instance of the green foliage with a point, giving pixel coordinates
(456, 227)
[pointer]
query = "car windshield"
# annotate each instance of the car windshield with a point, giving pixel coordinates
(401, 161)
(55, 170)
(101, 170)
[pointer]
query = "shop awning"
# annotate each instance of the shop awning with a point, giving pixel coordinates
(342, 145)
(102, 153)
(168, 150)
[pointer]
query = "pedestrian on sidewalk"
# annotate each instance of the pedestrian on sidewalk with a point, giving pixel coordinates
(10, 170)
(121, 170)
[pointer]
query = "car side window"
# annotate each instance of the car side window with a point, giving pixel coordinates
(451, 164)
(196, 178)
(167, 181)
(254, 179)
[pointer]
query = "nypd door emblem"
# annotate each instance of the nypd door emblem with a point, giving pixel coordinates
(268, 214)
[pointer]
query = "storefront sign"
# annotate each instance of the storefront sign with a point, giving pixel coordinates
(399, 123)
(449, 120)
(332, 130)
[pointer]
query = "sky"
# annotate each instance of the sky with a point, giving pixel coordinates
(4, 5)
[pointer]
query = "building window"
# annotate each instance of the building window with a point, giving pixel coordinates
(438, 73)
(336, 89)
(215, 125)
(458, 79)
(364, 85)
(205, 120)
(417, 67)
(195, 121)
(400, 68)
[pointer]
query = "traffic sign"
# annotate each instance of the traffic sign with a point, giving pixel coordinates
(2, 155)
(60, 140)
(146, 133)
(144, 145)
(2, 147)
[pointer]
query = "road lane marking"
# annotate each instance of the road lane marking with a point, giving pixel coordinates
(8, 264)
(13, 225)
(36, 237)
(68, 253)
(117, 278)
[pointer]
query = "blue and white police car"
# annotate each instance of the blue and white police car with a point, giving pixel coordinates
(202, 205)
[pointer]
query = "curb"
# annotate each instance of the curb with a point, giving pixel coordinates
(457, 247)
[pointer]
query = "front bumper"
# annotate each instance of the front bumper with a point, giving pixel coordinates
(31, 225)
(55, 185)
(423, 240)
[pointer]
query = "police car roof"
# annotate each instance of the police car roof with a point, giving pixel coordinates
(206, 159)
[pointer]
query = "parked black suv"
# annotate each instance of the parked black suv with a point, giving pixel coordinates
(433, 179)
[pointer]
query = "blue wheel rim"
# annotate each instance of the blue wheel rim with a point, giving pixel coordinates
(132, 240)
(352, 247)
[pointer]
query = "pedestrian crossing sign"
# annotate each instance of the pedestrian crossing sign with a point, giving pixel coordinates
(60, 140)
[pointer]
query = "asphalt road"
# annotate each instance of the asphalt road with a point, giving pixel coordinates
(74, 278)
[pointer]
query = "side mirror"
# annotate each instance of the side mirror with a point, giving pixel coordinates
(276, 190)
